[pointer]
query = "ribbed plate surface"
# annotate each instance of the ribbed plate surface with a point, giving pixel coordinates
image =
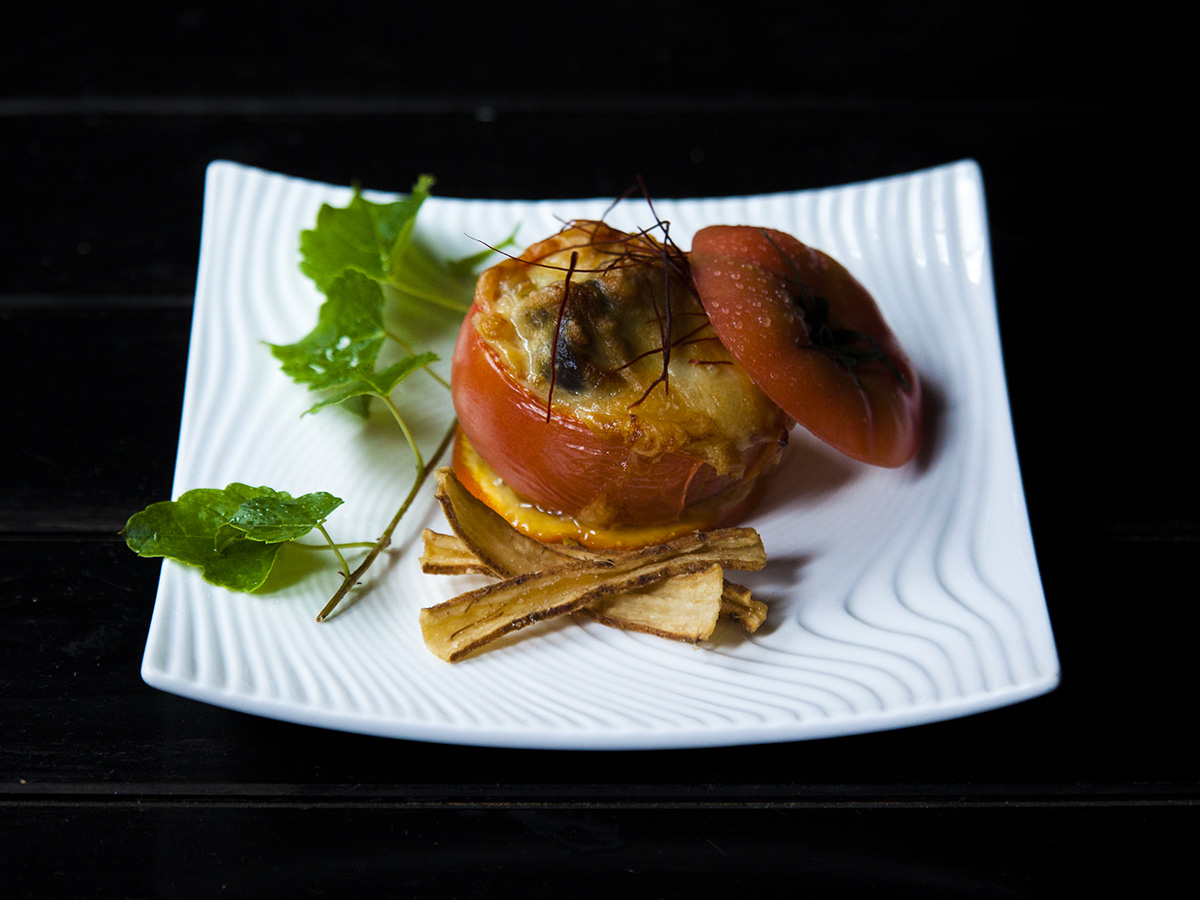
(898, 596)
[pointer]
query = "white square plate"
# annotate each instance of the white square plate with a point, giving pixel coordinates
(897, 596)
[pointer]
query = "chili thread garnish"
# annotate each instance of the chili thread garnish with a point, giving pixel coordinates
(689, 338)
(664, 321)
(562, 308)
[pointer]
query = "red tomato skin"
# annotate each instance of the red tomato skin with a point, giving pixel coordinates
(563, 466)
(745, 276)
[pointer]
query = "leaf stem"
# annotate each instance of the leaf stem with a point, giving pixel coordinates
(352, 545)
(334, 548)
(412, 443)
(385, 539)
(411, 352)
(429, 295)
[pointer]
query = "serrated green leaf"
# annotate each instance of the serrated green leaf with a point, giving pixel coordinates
(339, 355)
(364, 236)
(346, 340)
(377, 240)
(279, 518)
(196, 530)
(419, 275)
(376, 384)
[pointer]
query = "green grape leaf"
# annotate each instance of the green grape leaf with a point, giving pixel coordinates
(377, 240)
(339, 356)
(272, 519)
(204, 528)
(376, 384)
(346, 339)
(363, 235)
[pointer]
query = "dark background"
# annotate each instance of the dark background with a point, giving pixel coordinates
(1082, 123)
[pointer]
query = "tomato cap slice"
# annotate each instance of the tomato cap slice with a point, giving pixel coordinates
(812, 337)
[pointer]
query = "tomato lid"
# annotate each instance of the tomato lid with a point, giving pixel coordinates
(812, 337)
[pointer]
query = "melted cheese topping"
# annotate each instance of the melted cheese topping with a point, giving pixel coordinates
(607, 366)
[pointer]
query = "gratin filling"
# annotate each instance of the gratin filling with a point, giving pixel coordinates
(606, 367)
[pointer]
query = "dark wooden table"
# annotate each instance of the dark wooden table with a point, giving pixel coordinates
(1083, 131)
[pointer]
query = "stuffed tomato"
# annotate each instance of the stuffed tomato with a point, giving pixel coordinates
(596, 403)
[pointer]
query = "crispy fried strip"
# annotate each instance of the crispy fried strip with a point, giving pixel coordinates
(737, 604)
(683, 608)
(629, 589)
(498, 545)
(468, 621)
(448, 555)
(453, 629)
